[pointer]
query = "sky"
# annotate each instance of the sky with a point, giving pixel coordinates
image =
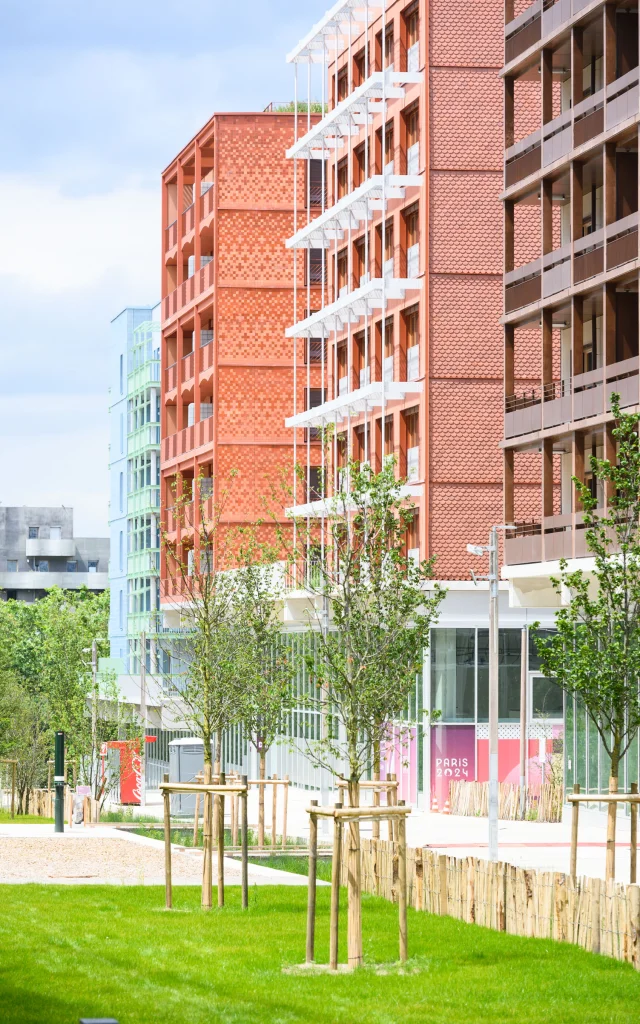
(97, 98)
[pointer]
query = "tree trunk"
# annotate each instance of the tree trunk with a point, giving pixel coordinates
(261, 789)
(354, 883)
(612, 812)
(216, 773)
(207, 838)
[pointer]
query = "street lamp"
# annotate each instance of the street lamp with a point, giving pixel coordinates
(494, 633)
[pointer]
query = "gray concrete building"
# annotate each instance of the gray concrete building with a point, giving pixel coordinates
(38, 550)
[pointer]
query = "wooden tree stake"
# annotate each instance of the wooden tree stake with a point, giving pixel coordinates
(167, 846)
(221, 842)
(195, 820)
(285, 807)
(336, 871)
(573, 866)
(274, 812)
(402, 884)
(633, 852)
(207, 842)
(245, 843)
(311, 894)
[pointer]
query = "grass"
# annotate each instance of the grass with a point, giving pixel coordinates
(297, 865)
(182, 835)
(100, 951)
(23, 819)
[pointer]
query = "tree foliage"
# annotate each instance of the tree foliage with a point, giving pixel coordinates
(595, 653)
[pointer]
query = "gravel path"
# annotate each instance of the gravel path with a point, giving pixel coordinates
(111, 857)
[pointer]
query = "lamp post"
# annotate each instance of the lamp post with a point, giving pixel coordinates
(494, 639)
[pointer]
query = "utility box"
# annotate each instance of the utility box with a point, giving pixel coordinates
(186, 760)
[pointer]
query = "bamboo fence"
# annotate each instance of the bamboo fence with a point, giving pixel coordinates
(42, 805)
(602, 917)
(471, 799)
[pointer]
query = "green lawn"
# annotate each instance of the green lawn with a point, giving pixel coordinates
(71, 951)
(23, 819)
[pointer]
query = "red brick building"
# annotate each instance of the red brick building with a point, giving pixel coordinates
(227, 296)
(410, 315)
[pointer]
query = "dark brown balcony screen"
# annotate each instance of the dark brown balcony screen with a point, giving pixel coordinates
(622, 249)
(588, 265)
(523, 293)
(316, 266)
(588, 127)
(313, 350)
(523, 165)
(527, 36)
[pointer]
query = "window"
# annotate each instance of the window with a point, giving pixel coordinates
(121, 374)
(361, 254)
(34, 532)
(343, 177)
(412, 337)
(453, 657)
(343, 272)
(510, 645)
(547, 699)
(93, 565)
(413, 538)
(388, 48)
(412, 428)
(120, 609)
(42, 565)
(411, 223)
(121, 433)
(317, 183)
(315, 350)
(12, 565)
(343, 84)
(359, 68)
(389, 150)
(121, 551)
(316, 266)
(388, 350)
(314, 480)
(362, 164)
(343, 369)
(121, 494)
(55, 533)
(313, 398)
(412, 124)
(412, 29)
(72, 565)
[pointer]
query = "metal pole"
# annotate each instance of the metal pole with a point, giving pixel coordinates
(94, 705)
(58, 778)
(524, 662)
(493, 694)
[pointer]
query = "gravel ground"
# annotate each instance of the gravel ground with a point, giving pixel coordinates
(115, 859)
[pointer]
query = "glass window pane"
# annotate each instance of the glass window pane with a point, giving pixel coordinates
(534, 660)
(509, 648)
(547, 698)
(581, 747)
(452, 673)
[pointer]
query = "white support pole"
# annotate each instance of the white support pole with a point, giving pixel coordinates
(494, 654)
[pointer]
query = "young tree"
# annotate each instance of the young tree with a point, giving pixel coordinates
(25, 736)
(211, 640)
(595, 652)
(373, 609)
(259, 593)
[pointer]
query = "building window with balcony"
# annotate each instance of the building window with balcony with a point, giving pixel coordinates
(389, 150)
(343, 84)
(388, 49)
(359, 68)
(412, 127)
(361, 269)
(315, 350)
(33, 532)
(92, 565)
(388, 355)
(388, 254)
(313, 483)
(12, 565)
(342, 273)
(412, 435)
(317, 183)
(343, 177)
(42, 565)
(389, 450)
(411, 18)
(412, 237)
(121, 492)
(72, 565)
(121, 551)
(314, 397)
(342, 358)
(361, 164)
(411, 318)
(362, 360)
(316, 266)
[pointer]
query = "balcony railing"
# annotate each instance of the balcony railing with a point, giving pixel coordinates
(144, 437)
(564, 402)
(188, 219)
(188, 290)
(171, 376)
(537, 22)
(188, 366)
(556, 537)
(171, 235)
(206, 203)
(609, 247)
(188, 439)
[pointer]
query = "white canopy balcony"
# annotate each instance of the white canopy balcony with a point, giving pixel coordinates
(354, 403)
(352, 210)
(350, 308)
(337, 505)
(356, 110)
(329, 31)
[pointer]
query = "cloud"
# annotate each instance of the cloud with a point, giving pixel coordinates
(54, 451)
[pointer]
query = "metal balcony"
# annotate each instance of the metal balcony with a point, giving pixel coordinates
(352, 210)
(339, 504)
(357, 110)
